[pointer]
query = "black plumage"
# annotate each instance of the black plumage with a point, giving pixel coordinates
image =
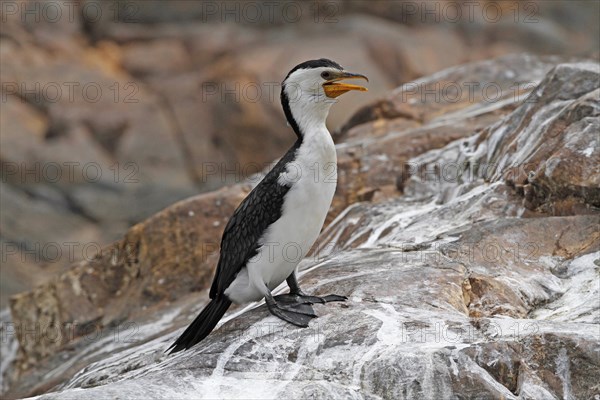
(261, 208)
(240, 242)
(321, 62)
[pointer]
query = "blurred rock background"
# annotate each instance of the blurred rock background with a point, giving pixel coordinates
(113, 110)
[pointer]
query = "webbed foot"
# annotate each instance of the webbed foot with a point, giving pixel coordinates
(295, 313)
(306, 299)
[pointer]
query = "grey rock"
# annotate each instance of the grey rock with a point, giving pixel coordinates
(458, 289)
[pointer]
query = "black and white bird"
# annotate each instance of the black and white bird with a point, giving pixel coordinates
(287, 208)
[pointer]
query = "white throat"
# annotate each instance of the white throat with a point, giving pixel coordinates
(317, 143)
(310, 113)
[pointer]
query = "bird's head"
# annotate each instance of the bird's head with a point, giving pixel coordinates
(311, 88)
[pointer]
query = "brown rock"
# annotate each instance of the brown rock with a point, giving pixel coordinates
(380, 140)
(146, 265)
(557, 174)
(159, 57)
(479, 84)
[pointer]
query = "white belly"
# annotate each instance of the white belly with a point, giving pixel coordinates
(290, 238)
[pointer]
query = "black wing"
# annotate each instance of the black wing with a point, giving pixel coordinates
(261, 208)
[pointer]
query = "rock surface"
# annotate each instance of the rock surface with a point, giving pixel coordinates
(471, 268)
(119, 88)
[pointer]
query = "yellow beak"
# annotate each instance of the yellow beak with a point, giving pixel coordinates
(333, 88)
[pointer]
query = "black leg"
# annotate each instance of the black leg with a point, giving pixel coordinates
(297, 295)
(292, 282)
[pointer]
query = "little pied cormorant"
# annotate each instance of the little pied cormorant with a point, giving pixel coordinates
(288, 207)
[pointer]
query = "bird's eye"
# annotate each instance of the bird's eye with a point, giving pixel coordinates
(325, 75)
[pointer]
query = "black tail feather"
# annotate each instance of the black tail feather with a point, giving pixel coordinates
(204, 323)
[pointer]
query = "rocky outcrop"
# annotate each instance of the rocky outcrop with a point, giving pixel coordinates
(138, 105)
(159, 259)
(379, 140)
(145, 267)
(465, 277)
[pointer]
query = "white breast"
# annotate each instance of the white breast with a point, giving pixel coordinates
(313, 178)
